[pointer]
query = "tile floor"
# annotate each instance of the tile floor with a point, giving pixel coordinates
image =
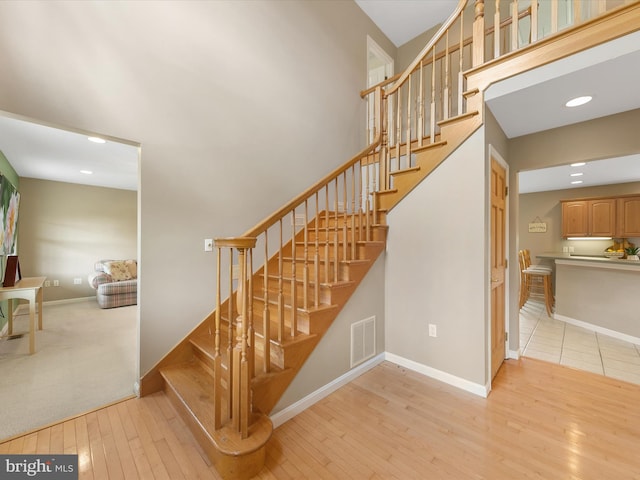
(548, 339)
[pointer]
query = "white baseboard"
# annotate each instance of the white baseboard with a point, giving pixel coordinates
(514, 354)
(23, 308)
(475, 388)
(301, 405)
(598, 329)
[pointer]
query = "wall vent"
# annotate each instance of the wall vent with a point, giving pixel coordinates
(363, 340)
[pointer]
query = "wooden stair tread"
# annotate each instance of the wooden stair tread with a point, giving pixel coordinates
(192, 386)
(405, 171)
(427, 146)
(458, 118)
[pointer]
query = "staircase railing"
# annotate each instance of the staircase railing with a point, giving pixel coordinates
(332, 216)
(431, 90)
(296, 250)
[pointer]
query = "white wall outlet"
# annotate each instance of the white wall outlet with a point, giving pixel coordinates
(570, 249)
(565, 249)
(56, 283)
(47, 283)
(208, 244)
(77, 281)
(433, 332)
(299, 219)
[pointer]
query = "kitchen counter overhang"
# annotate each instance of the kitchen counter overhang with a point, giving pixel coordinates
(602, 294)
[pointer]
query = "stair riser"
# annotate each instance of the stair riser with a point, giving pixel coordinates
(330, 249)
(377, 233)
(273, 287)
(287, 270)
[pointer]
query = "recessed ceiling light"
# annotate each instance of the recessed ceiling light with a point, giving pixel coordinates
(579, 174)
(86, 172)
(576, 102)
(578, 164)
(97, 140)
(576, 182)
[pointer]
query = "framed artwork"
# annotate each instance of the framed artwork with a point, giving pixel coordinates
(9, 203)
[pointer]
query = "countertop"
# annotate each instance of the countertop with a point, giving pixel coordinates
(566, 258)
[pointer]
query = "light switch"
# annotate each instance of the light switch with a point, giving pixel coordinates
(208, 244)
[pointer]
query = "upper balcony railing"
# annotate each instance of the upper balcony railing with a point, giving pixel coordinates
(432, 89)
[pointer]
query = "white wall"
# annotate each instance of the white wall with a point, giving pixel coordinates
(238, 107)
(436, 269)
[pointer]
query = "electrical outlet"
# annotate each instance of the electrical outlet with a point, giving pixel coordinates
(208, 244)
(299, 219)
(570, 249)
(56, 283)
(47, 283)
(432, 330)
(77, 281)
(565, 249)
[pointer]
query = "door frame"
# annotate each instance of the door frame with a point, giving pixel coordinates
(493, 153)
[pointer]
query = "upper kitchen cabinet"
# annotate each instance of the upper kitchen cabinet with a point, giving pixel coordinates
(628, 217)
(589, 218)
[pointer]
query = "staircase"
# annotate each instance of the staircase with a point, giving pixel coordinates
(285, 280)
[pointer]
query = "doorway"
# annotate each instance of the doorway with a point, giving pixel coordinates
(68, 220)
(380, 67)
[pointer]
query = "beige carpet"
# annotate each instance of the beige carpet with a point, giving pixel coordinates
(85, 358)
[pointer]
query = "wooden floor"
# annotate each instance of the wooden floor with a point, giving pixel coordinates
(541, 421)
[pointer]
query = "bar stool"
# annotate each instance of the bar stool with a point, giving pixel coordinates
(529, 265)
(535, 280)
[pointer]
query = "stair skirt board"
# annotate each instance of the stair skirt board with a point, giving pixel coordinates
(301, 405)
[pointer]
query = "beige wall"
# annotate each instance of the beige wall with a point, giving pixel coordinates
(238, 107)
(65, 228)
(436, 269)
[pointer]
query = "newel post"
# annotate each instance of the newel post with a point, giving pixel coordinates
(242, 355)
(478, 34)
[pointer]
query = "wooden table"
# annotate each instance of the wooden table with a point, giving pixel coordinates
(30, 289)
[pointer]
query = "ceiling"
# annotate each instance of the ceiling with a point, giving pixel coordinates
(403, 20)
(524, 104)
(44, 152)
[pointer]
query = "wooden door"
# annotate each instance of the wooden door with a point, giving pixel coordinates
(498, 264)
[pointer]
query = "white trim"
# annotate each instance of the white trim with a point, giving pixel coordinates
(25, 306)
(463, 384)
(301, 405)
(378, 51)
(598, 329)
(514, 354)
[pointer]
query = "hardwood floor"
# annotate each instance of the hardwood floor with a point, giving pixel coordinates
(540, 421)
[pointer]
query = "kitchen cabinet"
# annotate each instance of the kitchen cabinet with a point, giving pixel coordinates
(628, 217)
(589, 218)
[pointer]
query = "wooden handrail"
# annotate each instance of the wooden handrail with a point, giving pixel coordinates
(423, 53)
